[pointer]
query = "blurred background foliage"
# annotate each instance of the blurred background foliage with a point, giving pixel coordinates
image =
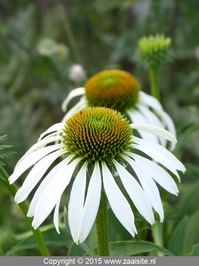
(98, 35)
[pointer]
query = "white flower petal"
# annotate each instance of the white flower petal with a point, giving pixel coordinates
(44, 200)
(149, 100)
(157, 173)
(40, 144)
(56, 216)
(168, 124)
(31, 159)
(152, 120)
(138, 118)
(136, 193)
(35, 175)
(118, 202)
(81, 105)
(150, 116)
(148, 184)
(76, 203)
(155, 130)
(91, 203)
(71, 95)
(55, 128)
(160, 154)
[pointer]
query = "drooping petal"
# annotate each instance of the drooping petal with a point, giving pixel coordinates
(35, 175)
(155, 130)
(149, 115)
(148, 185)
(71, 95)
(168, 124)
(149, 100)
(91, 203)
(44, 200)
(55, 128)
(56, 216)
(136, 193)
(49, 177)
(137, 118)
(152, 119)
(81, 105)
(76, 203)
(118, 202)
(160, 154)
(31, 159)
(157, 173)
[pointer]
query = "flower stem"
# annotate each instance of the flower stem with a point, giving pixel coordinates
(102, 227)
(154, 81)
(157, 231)
(24, 207)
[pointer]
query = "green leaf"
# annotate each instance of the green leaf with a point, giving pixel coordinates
(51, 237)
(183, 134)
(76, 250)
(3, 153)
(192, 231)
(129, 248)
(83, 249)
(194, 169)
(178, 237)
(192, 251)
(189, 204)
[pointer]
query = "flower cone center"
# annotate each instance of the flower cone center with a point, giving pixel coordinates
(97, 134)
(114, 89)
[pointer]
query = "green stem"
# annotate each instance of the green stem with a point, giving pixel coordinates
(102, 227)
(157, 231)
(24, 207)
(154, 81)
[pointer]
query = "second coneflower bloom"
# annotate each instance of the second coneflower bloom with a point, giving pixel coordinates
(95, 147)
(119, 90)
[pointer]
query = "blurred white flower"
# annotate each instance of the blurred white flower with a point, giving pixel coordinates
(61, 50)
(49, 47)
(76, 73)
(46, 47)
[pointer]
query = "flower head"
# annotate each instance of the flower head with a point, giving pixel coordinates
(119, 90)
(155, 49)
(94, 145)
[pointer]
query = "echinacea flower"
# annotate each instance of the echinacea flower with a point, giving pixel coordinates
(94, 145)
(119, 90)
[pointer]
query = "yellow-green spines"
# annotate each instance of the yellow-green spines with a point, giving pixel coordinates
(155, 49)
(116, 89)
(97, 134)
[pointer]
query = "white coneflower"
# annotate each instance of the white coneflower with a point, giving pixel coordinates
(93, 145)
(119, 90)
